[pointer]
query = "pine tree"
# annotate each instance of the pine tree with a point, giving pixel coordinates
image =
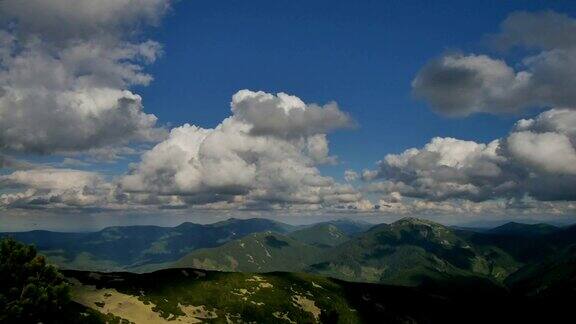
(31, 291)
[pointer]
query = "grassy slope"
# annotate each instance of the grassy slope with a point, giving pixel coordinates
(260, 252)
(244, 297)
(348, 226)
(321, 235)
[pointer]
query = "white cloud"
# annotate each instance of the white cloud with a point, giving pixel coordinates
(548, 152)
(445, 168)
(49, 188)
(65, 19)
(65, 72)
(235, 164)
(351, 175)
(462, 209)
(317, 149)
(285, 115)
(545, 30)
(554, 120)
(460, 85)
(537, 159)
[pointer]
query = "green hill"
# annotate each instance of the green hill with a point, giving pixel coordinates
(410, 251)
(259, 252)
(321, 235)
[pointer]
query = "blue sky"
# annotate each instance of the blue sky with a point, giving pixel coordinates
(364, 55)
(361, 54)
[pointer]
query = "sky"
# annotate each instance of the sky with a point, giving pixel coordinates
(154, 111)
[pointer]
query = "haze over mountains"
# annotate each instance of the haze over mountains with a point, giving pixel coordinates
(124, 247)
(409, 252)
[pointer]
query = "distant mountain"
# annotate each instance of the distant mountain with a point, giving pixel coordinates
(127, 247)
(321, 235)
(408, 252)
(519, 229)
(251, 225)
(411, 251)
(271, 251)
(259, 252)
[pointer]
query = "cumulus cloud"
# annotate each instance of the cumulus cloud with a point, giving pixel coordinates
(545, 147)
(463, 84)
(464, 208)
(351, 175)
(445, 168)
(65, 19)
(65, 72)
(50, 188)
(549, 152)
(546, 142)
(545, 30)
(247, 161)
(459, 85)
(285, 115)
(537, 159)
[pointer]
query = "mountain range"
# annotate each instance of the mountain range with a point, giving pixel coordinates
(128, 247)
(409, 252)
(409, 271)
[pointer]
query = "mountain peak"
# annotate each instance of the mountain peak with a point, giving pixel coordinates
(415, 221)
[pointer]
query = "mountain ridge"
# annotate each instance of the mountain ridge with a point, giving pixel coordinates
(410, 251)
(122, 247)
